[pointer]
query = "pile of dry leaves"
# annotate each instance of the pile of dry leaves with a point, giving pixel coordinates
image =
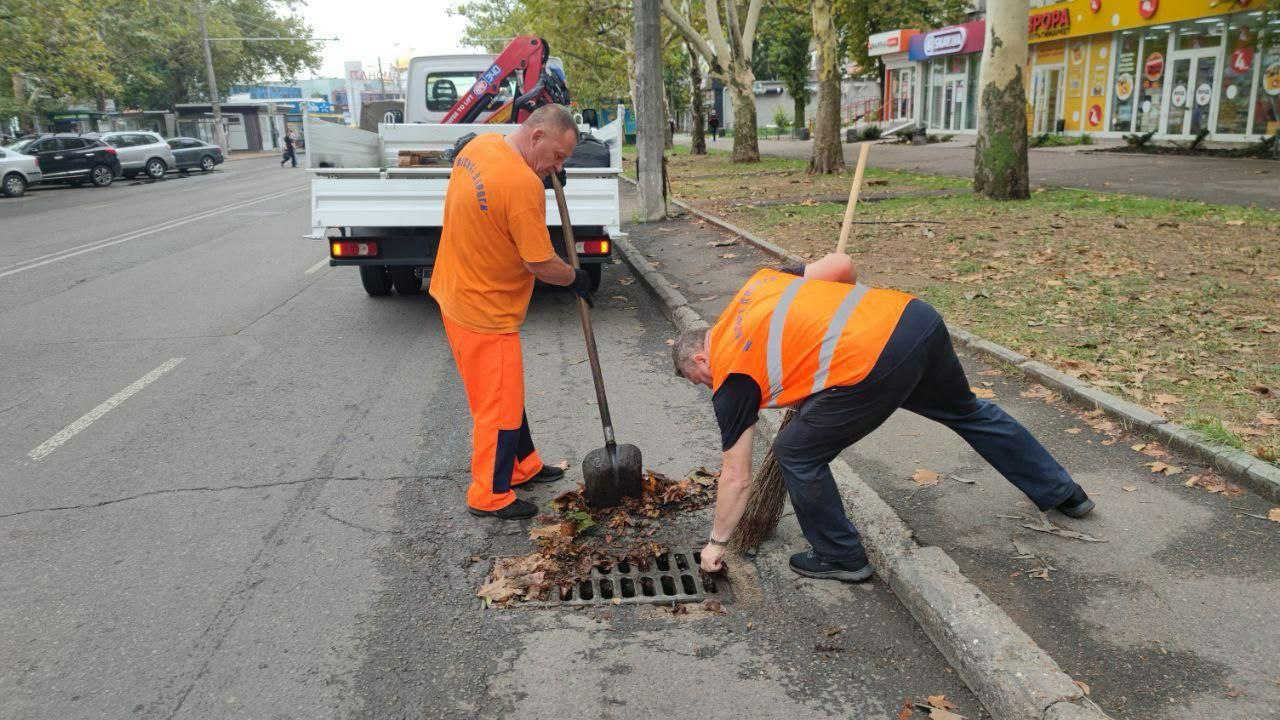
(577, 538)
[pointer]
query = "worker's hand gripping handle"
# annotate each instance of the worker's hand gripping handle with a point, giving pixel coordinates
(571, 248)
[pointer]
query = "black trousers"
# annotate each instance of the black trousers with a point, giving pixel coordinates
(929, 381)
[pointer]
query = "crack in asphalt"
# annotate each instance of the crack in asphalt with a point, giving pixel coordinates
(357, 526)
(175, 491)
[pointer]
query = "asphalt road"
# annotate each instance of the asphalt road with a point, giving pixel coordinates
(231, 485)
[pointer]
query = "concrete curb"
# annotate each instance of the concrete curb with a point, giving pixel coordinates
(1254, 474)
(1012, 677)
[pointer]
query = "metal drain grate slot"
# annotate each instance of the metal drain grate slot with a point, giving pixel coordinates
(671, 577)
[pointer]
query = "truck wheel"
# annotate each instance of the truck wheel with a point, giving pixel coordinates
(593, 273)
(405, 280)
(376, 280)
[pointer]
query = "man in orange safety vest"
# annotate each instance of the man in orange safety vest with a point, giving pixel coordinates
(845, 356)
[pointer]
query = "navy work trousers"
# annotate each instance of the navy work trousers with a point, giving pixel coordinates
(928, 381)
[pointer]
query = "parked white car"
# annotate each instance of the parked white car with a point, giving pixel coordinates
(141, 152)
(17, 171)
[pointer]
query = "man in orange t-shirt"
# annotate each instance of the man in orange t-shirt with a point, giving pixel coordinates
(494, 244)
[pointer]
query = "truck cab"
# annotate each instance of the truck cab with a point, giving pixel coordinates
(385, 217)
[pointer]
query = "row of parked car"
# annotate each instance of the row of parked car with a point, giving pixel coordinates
(99, 158)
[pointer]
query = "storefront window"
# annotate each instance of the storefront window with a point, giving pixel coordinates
(1154, 61)
(1124, 91)
(936, 70)
(1237, 73)
(901, 91)
(1199, 34)
(971, 108)
(1266, 111)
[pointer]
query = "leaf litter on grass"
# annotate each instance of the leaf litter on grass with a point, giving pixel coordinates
(577, 538)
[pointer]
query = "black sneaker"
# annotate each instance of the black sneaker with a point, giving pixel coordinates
(1076, 506)
(810, 565)
(548, 473)
(518, 510)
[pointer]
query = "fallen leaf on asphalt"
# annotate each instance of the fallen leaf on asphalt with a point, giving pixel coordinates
(1167, 469)
(832, 631)
(1274, 515)
(1041, 392)
(984, 393)
(1154, 450)
(1073, 430)
(1213, 483)
(553, 532)
(1084, 686)
(1129, 488)
(1138, 448)
(621, 298)
(990, 373)
(942, 703)
(925, 477)
(907, 710)
(679, 609)
(563, 465)
(939, 714)
(714, 607)
(500, 590)
(729, 256)
(626, 280)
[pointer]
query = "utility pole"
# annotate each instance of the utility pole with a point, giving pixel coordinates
(650, 121)
(213, 82)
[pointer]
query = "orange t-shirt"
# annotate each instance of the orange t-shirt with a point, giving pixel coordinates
(495, 220)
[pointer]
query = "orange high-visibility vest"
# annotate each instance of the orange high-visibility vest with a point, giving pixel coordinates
(795, 336)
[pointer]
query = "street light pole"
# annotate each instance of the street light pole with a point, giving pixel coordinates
(213, 83)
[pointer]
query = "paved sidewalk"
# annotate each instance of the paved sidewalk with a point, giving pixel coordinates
(1171, 617)
(1215, 180)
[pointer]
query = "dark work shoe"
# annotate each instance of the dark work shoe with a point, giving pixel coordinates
(548, 473)
(1076, 506)
(810, 565)
(518, 510)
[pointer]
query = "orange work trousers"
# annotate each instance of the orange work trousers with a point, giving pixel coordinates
(502, 453)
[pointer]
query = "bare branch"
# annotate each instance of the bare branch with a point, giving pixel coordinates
(749, 32)
(686, 29)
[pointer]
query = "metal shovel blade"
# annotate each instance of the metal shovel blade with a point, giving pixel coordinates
(612, 476)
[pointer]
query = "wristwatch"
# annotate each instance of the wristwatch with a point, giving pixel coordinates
(711, 540)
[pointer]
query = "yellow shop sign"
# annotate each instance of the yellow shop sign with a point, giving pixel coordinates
(1078, 18)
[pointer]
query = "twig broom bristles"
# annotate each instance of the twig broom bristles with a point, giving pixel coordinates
(768, 491)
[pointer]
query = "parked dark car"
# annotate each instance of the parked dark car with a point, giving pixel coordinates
(190, 153)
(71, 158)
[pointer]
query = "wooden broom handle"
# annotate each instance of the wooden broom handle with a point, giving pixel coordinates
(847, 225)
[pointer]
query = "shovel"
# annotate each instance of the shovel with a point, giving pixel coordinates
(612, 472)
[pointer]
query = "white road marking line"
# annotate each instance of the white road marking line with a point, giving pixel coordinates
(134, 235)
(92, 416)
(317, 266)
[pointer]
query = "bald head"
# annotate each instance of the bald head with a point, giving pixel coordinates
(554, 119)
(546, 139)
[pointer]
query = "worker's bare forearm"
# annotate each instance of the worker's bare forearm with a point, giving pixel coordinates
(731, 493)
(836, 267)
(554, 271)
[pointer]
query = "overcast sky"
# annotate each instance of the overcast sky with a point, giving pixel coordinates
(368, 29)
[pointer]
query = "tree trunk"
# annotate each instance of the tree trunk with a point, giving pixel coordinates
(828, 153)
(797, 107)
(746, 147)
(650, 121)
(699, 130)
(1000, 159)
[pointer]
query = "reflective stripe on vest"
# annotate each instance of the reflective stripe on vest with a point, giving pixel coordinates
(834, 331)
(773, 352)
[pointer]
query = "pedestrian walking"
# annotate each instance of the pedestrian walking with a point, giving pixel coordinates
(845, 356)
(289, 153)
(713, 122)
(494, 244)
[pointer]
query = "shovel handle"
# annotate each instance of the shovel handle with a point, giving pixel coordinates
(584, 313)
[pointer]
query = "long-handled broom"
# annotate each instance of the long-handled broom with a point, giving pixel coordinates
(768, 492)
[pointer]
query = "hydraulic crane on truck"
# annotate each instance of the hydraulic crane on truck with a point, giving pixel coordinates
(539, 83)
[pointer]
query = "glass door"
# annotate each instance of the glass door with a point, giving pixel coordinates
(1191, 93)
(956, 93)
(1046, 95)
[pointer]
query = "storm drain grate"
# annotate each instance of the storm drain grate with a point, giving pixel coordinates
(673, 577)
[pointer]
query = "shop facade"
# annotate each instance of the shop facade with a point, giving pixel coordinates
(901, 75)
(1175, 68)
(948, 60)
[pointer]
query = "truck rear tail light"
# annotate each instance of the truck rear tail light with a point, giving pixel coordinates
(595, 246)
(347, 248)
